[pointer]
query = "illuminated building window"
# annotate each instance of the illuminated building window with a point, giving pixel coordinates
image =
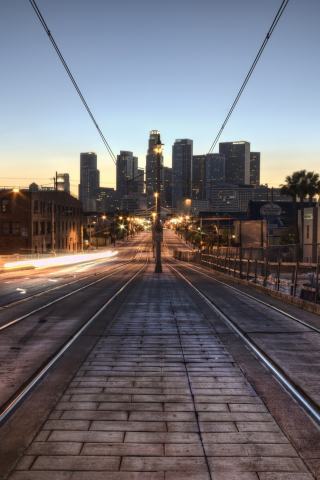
(5, 205)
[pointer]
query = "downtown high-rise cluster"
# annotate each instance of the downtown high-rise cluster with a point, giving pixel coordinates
(223, 181)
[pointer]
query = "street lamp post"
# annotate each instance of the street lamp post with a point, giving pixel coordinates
(218, 231)
(158, 229)
(267, 192)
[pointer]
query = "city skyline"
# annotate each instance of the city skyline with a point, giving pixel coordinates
(53, 127)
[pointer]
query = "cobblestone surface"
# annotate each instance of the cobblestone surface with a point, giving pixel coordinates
(160, 398)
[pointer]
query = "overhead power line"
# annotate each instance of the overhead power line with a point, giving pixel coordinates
(43, 23)
(273, 26)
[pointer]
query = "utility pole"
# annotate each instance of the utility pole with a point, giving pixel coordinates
(218, 243)
(52, 226)
(158, 228)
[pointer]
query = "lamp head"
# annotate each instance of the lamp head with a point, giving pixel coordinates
(158, 145)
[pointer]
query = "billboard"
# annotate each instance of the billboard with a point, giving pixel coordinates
(270, 210)
(251, 233)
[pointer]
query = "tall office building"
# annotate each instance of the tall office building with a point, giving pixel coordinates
(89, 179)
(63, 182)
(139, 186)
(255, 168)
(127, 169)
(105, 200)
(198, 177)
(215, 171)
(231, 198)
(182, 153)
(151, 165)
(167, 197)
(264, 194)
(237, 162)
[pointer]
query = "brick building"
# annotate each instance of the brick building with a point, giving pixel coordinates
(39, 221)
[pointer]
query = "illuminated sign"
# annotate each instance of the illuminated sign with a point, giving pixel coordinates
(270, 209)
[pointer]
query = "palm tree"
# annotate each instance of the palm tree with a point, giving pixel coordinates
(290, 189)
(313, 186)
(302, 192)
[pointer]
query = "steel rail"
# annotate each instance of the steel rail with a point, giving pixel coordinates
(278, 310)
(22, 395)
(297, 393)
(43, 292)
(16, 320)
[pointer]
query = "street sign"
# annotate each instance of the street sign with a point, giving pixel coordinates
(270, 209)
(272, 225)
(24, 232)
(157, 233)
(158, 237)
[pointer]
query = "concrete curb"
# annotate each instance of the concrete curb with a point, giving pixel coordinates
(12, 270)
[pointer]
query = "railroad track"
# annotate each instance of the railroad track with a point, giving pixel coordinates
(117, 270)
(15, 400)
(278, 310)
(297, 392)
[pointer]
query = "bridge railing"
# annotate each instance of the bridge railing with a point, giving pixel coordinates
(295, 279)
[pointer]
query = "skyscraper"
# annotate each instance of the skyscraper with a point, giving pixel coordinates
(167, 200)
(182, 153)
(198, 177)
(106, 199)
(139, 186)
(237, 162)
(231, 198)
(215, 171)
(255, 168)
(89, 179)
(127, 169)
(151, 164)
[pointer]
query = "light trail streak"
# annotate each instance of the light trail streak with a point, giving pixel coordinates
(69, 260)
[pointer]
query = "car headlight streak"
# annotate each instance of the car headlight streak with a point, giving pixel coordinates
(56, 261)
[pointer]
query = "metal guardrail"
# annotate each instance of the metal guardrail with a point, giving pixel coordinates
(296, 279)
(307, 253)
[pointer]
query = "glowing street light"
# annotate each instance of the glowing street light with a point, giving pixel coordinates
(157, 148)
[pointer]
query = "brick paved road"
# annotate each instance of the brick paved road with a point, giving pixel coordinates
(160, 398)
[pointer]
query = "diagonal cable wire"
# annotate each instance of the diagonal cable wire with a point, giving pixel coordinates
(38, 13)
(273, 26)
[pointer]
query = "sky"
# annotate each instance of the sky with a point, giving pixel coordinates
(175, 66)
